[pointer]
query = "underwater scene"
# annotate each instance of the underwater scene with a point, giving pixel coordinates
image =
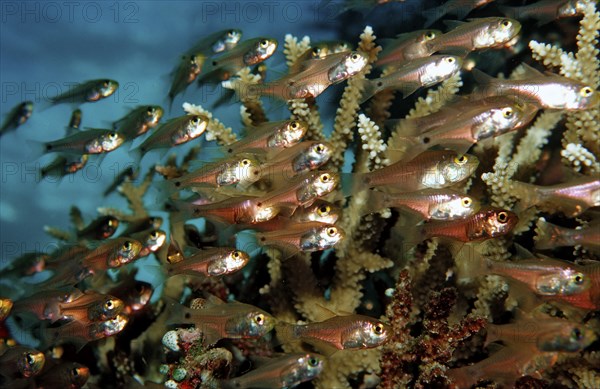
(313, 194)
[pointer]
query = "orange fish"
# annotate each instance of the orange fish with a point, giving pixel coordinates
(212, 262)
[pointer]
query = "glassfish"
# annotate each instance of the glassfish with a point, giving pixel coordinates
(233, 210)
(247, 53)
(406, 47)
(21, 362)
(460, 8)
(316, 76)
(546, 91)
(175, 132)
(348, 332)
(319, 50)
(17, 116)
(70, 375)
(211, 262)
(219, 320)
(91, 141)
(302, 237)
(477, 34)
(285, 372)
(298, 159)
(545, 11)
(89, 91)
(270, 135)
(102, 228)
(80, 333)
(571, 198)
(466, 129)
(217, 42)
(152, 241)
(414, 74)
(190, 66)
(550, 236)
(426, 204)
(434, 169)
(138, 121)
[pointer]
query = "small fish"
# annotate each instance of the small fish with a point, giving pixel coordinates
(317, 76)
(62, 166)
(43, 305)
(486, 224)
(545, 11)
(241, 170)
(212, 262)
(21, 362)
(430, 170)
(298, 159)
(466, 130)
(546, 91)
(406, 47)
(503, 367)
(319, 50)
(130, 173)
(134, 294)
(88, 91)
(75, 121)
(302, 237)
(426, 204)
(91, 141)
(216, 42)
(138, 121)
(25, 265)
(190, 66)
(6, 305)
(90, 306)
(284, 372)
(460, 8)
(414, 74)
(547, 334)
(477, 34)
(80, 333)
(152, 241)
(233, 210)
(175, 132)
(348, 332)
(247, 53)
(219, 320)
(550, 236)
(17, 116)
(270, 135)
(71, 375)
(571, 198)
(112, 254)
(551, 279)
(302, 190)
(102, 228)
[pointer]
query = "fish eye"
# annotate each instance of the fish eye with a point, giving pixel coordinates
(235, 254)
(319, 148)
(576, 334)
(113, 136)
(450, 60)
(108, 305)
(506, 23)
(106, 83)
(579, 279)
(29, 359)
(325, 177)
(150, 110)
(127, 246)
(245, 162)
(461, 160)
(331, 231)
(323, 210)
(378, 329)
(466, 201)
(231, 33)
(264, 43)
(586, 91)
(507, 112)
(354, 57)
(294, 125)
(502, 217)
(154, 235)
(430, 35)
(196, 120)
(313, 361)
(259, 319)
(75, 372)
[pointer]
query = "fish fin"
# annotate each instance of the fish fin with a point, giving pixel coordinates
(525, 298)
(352, 183)
(511, 12)
(407, 149)
(470, 264)
(452, 24)
(523, 253)
(484, 80)
(434, 14)
(526, 194)
(493, 334)
(529, 71)
(323, 313)
(214, 300)
(375, 202)
(369, 89)
(285, 334)
(323, 347)
(176, 312)
(547, 235)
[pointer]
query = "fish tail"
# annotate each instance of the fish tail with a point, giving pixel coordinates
(548, 235)
(406, 149)
(376, 202)
(434, 14)
(470, 264)
(176, 313)
(369, 89)
(494, 333)
(512, 12)
(285, 333)
(526, 194)
(352, 183)
(486, 83)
